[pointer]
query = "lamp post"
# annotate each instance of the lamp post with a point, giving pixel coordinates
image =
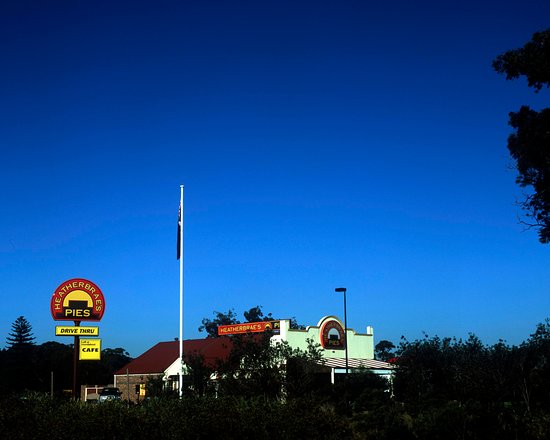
(339, 290)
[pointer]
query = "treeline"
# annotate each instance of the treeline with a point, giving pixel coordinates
(442, 388)
(32, 368)
(27, 367)
(453, 388)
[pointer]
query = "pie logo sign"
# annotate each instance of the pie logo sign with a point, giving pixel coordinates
(332, 335)
(77, 300)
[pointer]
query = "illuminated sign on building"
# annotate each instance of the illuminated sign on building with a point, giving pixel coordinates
(249, 327)
(332, 335)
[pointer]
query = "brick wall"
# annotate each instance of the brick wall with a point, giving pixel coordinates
(127, 385)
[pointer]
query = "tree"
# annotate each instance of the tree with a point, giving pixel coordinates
(198, 375)
(57, 358)
(210, 326)
(21, 334)
(384, 350)
(257, 367)
(529, 144)
(101, 372)
(254, 314)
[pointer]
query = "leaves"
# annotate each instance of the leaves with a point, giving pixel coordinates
(529, 144)
(21, 334)
(531, 61)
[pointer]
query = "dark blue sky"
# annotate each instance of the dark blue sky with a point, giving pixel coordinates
(320, 143)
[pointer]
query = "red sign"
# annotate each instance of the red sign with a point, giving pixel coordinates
(77, 300)
(332, 335)
(249, 327)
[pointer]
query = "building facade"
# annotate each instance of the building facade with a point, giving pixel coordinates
(341, 349)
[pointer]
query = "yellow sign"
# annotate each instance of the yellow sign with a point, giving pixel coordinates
(67, 330)
(90, 350)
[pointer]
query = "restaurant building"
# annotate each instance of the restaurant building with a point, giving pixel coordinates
(161, 362)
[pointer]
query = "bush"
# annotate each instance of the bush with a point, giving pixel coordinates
(40, 417)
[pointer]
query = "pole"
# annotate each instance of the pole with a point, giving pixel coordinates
(346, 330)
(180, 374)
(343, 290)
(75, 362)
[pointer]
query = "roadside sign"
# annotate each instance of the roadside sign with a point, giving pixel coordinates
(90, 349)
(77, 300)
(66, 330)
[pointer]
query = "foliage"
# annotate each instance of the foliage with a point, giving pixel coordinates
(464, 389)
(21, 334)
(444, 388)
(199, 374)
(259, 368)
(154, 388)
(529, 144)
(296, 325)
(384, 350)
(210, 326)
(254, 314)
(531, 61)
(447, 369)
(101, 372)
(31, 367)
(229, 418)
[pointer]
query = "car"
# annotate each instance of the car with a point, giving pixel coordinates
(109, 393)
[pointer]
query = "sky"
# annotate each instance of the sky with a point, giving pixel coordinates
(322, 144)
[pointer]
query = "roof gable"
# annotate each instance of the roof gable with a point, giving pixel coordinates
(157, 359)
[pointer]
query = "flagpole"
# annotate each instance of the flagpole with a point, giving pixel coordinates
(180, 382)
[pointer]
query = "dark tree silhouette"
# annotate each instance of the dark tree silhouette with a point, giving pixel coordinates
(210, 326)
(384, 350)
(255, 314)
(21, 334)
(529, 144)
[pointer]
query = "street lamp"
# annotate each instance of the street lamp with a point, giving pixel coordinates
(339, 290)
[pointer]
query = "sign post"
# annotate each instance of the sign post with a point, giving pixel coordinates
(75, 362)
(77, 300)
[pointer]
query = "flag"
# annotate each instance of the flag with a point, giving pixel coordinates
(179, 233)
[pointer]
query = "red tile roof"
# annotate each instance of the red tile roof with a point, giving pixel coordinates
(158, 358)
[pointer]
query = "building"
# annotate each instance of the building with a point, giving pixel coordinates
(161, 362)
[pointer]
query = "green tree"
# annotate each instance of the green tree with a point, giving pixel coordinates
(198, 376)
(21, 334)
(210, 326)
(155, 387)
(384, 350)
(254, 314)
(101, 372)
(529, 144)
(259, 368)
(19, 360)
(54, 357)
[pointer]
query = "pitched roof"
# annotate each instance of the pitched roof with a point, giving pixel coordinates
(371, 364)
(158, 358)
